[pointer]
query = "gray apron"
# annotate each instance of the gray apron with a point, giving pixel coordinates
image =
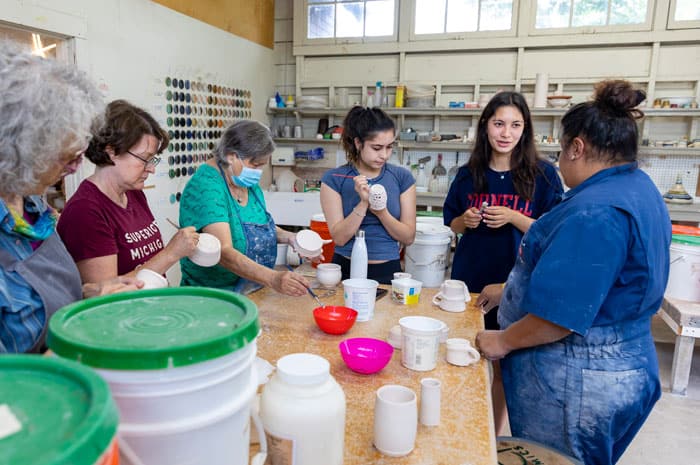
(51, 272)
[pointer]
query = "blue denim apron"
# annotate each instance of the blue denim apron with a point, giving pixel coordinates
(597, 391)
(261, 241)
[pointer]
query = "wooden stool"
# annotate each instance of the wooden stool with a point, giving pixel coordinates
(684, 319)
(518, 451)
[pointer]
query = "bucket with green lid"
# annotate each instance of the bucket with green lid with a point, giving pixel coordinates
(54, 412)
(684, 272)
(179, 362)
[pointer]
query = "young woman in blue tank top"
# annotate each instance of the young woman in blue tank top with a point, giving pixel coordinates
(368, 140)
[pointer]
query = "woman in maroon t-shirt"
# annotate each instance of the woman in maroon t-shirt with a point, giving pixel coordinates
(107, 225)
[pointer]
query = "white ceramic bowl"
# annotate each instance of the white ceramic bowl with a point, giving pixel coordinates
(208, 251)
(151, 279)
(559, 101)
(309, 243)
(328, 274)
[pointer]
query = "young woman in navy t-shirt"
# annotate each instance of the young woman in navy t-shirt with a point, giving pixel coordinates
(505, 172)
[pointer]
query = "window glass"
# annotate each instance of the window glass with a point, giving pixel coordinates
(581, 13)
(349, 20)
(464, 16)
(327, 19)
(379, 20)
(321, 21)
(687, 10)
(440, 16)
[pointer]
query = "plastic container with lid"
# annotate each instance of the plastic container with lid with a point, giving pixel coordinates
(303, 412)
(55, 412)
(179, 363)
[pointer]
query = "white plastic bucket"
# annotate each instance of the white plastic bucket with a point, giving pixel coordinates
(359, 295)
(221, 431)
(684, 274)
(420, 342)
(428, 257)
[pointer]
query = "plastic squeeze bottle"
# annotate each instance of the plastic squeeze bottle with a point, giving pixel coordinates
(358, 257)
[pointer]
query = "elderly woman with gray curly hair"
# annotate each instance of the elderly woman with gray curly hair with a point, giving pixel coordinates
(223, 198)
(46, 113)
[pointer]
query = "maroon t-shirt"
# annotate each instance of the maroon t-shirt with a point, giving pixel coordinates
(93, 226)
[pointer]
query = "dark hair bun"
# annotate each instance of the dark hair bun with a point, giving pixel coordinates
(618, 97)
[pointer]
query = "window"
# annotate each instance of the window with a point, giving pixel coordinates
(347, 19)
(580, 13)
(454, 16)
(684, 14)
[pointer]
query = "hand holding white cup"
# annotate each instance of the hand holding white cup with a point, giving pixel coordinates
(151, 279)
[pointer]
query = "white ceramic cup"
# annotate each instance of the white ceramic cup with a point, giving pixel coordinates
(208, 251)
(394, 337)
(460, 352)
(151, 279)
(328, 274)
(449, 305)
(454, 289)
(395, 420)
(430, 401)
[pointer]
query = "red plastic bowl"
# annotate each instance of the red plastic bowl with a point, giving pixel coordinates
(335, 319)
(365, 354)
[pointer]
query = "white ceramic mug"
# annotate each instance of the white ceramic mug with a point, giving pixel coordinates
(208, 251)
(460, 352)
(449, 305)
(454, 289)
(151, 279)
(328, 274)
(395, 420)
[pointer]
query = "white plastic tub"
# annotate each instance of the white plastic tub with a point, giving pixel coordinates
(684, 274)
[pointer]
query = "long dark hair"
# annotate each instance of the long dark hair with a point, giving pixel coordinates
(608, 122)
(523, 160)
(363, 123)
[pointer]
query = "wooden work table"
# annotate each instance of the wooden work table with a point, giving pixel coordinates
(465, 434)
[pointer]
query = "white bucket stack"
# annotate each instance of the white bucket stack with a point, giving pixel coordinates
(428, 257)
(684, 273)
(179, 363)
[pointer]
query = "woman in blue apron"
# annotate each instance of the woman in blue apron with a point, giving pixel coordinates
(37, 275)
(223, 198)
(580, 369)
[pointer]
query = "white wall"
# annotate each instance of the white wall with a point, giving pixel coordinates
(130, 46)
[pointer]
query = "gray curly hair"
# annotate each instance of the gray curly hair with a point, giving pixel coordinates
(248, 139)
(46, 110)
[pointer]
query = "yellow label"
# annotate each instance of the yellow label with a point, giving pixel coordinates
(412, 299)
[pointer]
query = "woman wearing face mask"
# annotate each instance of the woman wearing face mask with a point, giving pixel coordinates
(223, 198)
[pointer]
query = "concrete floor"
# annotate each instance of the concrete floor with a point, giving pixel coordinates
(671, 434)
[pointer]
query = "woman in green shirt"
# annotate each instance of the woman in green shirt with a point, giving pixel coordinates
(223, 198)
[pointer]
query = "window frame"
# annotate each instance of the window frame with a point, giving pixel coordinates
(639, 27)
(347, 40)
(512, 32)
(682, 24)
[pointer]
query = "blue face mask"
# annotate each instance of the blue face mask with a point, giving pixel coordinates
(249, 177)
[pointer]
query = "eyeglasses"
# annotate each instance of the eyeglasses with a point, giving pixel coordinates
(152, 162)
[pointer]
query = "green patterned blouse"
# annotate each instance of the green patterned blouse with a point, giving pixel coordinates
(206, 200)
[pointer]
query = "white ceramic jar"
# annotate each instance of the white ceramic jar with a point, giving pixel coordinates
(302, 408)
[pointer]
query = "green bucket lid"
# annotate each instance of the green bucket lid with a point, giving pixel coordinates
(686, 240)
(154, 329)
(63, 412)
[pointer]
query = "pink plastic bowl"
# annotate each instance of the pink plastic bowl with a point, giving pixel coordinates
(365, 355)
